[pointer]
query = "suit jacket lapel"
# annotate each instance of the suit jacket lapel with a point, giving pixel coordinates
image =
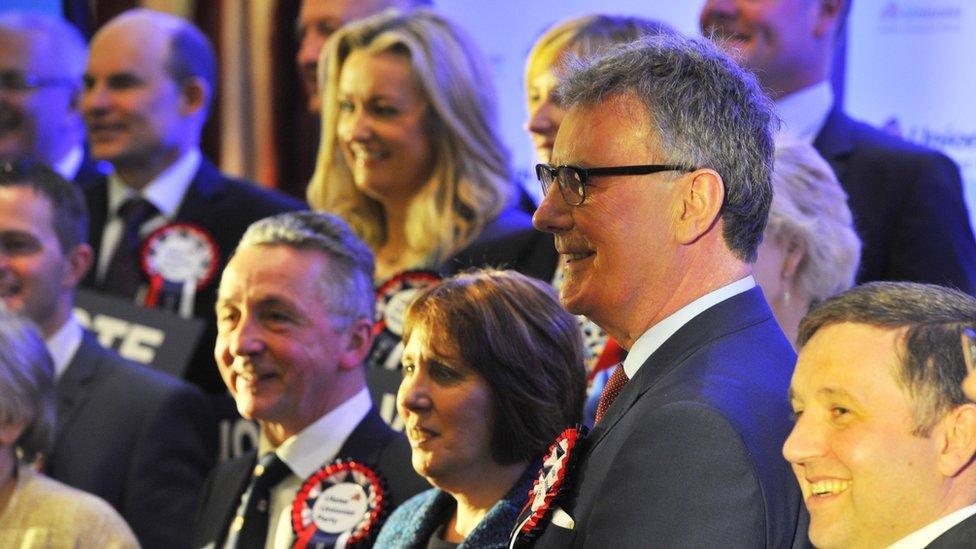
(740, 310)
(367, 440)
(231, 485)
(195, 207)
(74, 387)
(96, 198)
(836, 140)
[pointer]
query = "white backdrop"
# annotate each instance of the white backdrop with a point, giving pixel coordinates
(910, 61)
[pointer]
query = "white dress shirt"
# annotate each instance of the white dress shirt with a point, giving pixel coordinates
(166, 193)
(804, 112)
(657, 334)
(305, 453)
(63, 344)
(927, 534)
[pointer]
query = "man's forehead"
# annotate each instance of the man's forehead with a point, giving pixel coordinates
(340, 11)
(616, 125)
(131, 46)
(849, 355)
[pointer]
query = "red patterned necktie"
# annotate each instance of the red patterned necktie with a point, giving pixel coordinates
(610, 391)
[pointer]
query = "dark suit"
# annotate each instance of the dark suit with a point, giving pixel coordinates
(907, 203)
(139, 439)
(224, 207)
(960, 536)
(689, 453)
(509, 242)
(371, 442)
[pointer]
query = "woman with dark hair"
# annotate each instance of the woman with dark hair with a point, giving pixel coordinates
(492, 373)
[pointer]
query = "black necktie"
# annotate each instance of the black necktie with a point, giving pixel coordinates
(250, 526)
(124, 274)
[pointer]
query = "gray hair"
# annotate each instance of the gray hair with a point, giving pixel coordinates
(347, 288)
(26, 385)
(64, 46)
(932, 318)
(810, 206)
(706, 112)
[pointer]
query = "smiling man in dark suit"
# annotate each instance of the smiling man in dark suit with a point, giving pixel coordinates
(294, 319)
(139, 439)
(884, 445)
(907, 200)
(657, 214)
(149, 84)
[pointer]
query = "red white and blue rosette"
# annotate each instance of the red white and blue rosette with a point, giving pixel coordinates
(551, 485)
(343, 504)
(392, 299)
(181, 252)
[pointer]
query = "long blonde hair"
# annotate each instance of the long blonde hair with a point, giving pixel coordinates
(471, 179)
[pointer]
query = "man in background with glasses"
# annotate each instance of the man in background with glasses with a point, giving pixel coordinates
(42, 59)
(657, 195)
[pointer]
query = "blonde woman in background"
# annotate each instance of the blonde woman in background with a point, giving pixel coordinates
(410, 154)
(36, 511)
(810, 250)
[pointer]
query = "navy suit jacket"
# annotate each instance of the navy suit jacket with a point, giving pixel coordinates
(372, 442)
(139, 439)
(960, 536)
(688, 455)
(907, 203)
(224, 207)
(509, 242)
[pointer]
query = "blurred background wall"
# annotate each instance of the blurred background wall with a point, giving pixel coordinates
(909, 68)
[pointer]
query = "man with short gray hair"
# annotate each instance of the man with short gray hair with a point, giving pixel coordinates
(294, 325)
(884, 441)
(657, 195)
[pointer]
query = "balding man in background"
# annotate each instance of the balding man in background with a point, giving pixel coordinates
(149, 85)
(42, 59)
(907, 200)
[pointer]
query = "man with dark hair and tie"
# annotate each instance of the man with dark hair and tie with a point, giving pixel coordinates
(657, 214)
(294, 318)
(907, 200)
(139, 439)
(165, 211)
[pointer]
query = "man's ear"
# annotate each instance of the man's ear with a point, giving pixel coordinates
(80, 259)
(701, 204)
(195, 94)
(957, 444)
(359, 340)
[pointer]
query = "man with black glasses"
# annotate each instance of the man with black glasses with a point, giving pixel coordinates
(657, 215)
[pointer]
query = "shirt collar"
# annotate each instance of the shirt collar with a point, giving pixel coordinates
(68, 166)
(804, 112)
(63, 344)
(657, 334)
(165, 192)
(927, 534)
(319, 443)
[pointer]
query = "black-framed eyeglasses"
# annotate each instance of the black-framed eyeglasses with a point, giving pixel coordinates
(18, 82)
(573, 179)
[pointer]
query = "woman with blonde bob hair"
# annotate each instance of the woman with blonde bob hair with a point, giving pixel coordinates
(810, 249)
(410, 155)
